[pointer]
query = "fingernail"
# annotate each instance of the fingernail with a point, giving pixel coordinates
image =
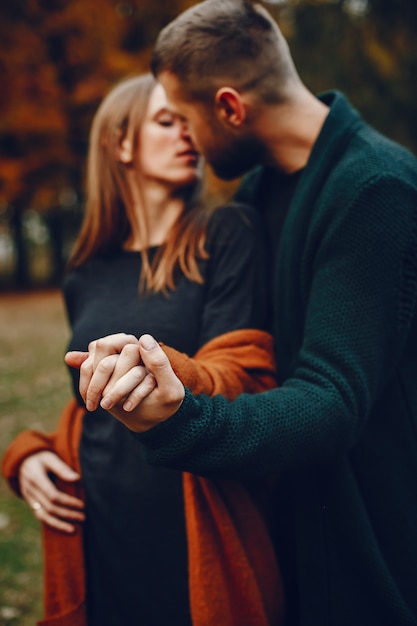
(148, 342)
(89, 406)
(127, 406)
(105, 403)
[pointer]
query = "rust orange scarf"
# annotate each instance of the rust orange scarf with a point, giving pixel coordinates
(234, 578)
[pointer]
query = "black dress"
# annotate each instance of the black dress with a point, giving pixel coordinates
(135, 542)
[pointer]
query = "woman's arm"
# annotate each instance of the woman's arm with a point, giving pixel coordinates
(27, 443)
(28, 464)
(235, 362)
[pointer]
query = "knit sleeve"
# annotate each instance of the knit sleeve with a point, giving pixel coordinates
(360, 301)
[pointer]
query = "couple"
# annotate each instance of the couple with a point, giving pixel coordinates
(339, 202)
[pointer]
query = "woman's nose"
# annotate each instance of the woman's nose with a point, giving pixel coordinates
(185, 131)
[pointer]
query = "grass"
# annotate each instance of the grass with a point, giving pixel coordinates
(34, 386)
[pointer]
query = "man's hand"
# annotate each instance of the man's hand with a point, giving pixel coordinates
(156, 398)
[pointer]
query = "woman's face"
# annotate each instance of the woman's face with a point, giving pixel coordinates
(165, 152)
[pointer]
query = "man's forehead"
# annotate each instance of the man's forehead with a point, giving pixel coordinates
(170, 82)
(175, 102)
(177, 98)
(176, 110)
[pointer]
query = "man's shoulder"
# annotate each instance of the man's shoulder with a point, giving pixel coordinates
(366, 152)
(372, 159)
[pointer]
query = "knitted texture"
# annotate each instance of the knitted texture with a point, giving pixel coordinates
(343, 422)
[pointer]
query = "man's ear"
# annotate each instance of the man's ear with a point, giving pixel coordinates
(230, 107)
(124, 151)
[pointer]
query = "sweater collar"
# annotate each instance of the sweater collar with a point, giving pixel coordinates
(339, 126)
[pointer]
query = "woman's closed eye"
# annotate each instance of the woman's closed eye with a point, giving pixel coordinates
(165, 119)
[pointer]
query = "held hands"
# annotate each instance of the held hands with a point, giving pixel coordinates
(131, 378)
(50, 505)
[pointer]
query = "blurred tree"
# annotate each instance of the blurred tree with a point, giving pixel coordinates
(59, 57)
(390, 47)
(366, 48)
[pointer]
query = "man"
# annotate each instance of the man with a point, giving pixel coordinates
(340, 205)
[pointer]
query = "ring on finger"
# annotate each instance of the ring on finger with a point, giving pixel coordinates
(36, 506)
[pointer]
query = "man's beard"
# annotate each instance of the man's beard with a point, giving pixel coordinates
(237, 158)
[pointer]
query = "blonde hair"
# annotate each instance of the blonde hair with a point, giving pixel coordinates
(105, 225)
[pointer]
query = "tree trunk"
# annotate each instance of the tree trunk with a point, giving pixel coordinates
(21, 276)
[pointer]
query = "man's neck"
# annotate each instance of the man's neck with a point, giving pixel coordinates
(290, 130)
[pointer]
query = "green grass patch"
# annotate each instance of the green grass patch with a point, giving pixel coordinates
(34, 386)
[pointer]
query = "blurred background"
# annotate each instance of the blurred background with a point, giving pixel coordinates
(57, 60)
(59, 57)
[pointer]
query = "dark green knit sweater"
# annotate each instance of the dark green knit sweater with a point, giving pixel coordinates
(343, 423)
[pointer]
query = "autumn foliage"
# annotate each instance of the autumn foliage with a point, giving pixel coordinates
(59, 57)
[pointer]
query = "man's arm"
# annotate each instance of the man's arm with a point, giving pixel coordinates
(357, 320)
(234, 362)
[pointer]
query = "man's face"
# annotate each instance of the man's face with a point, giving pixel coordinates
(229, 154)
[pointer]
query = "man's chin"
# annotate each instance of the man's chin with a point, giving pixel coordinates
(228, 171)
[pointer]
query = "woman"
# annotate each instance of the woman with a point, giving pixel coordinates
(151, 258)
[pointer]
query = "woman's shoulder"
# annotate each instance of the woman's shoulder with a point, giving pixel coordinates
(81, 272)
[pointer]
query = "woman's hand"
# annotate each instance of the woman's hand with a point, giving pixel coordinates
(101, 366)
(50, 505)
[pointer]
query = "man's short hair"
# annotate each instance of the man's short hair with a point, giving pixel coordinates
(233, 41)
